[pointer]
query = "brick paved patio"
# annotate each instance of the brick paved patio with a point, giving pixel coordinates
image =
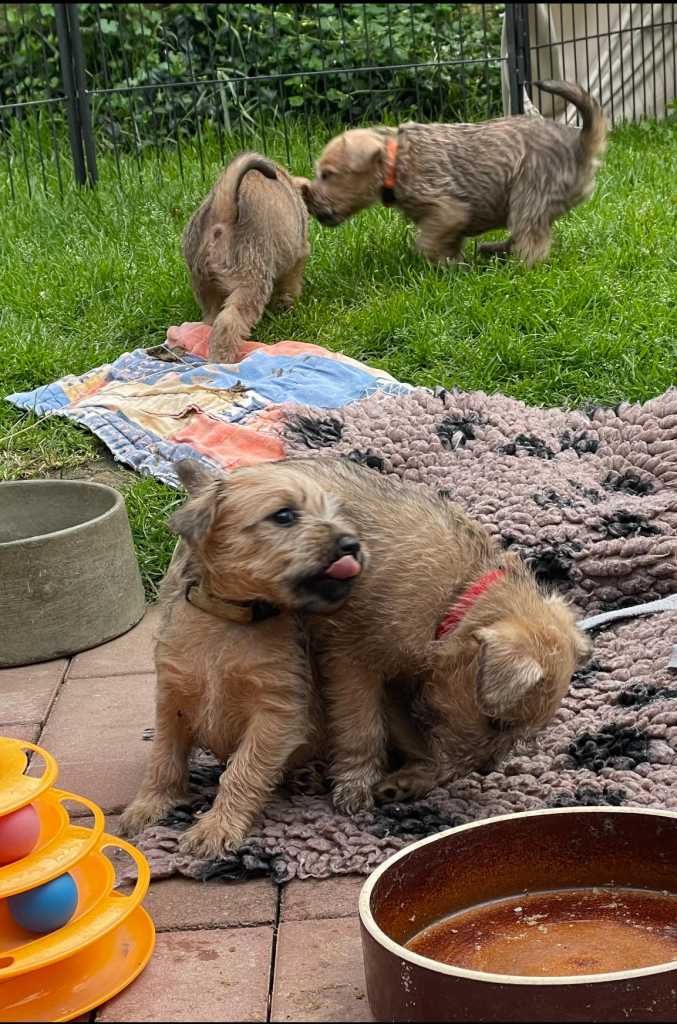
(225, 951)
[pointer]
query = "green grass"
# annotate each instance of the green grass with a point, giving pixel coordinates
(96, 273)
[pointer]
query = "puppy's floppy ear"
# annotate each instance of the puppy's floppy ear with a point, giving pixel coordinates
(194, 520)
(363, 154)
(193, 475)
(508, 671)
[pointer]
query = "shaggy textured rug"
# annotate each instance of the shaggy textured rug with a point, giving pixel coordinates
(589, 499)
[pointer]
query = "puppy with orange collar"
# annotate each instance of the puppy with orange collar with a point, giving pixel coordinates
(459, 180)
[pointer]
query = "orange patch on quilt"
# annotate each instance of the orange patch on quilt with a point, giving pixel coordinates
(229, 443)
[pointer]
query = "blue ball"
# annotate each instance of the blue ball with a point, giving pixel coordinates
(47, 907)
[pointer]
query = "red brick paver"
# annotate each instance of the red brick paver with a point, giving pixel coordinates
(200, 976)
(318, 972)
(26, 694)
(184, 903)
(28, 732)
(95, 733)
(130, 653)
(313, 898)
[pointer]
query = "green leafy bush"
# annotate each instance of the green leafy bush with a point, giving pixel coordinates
(137, 56)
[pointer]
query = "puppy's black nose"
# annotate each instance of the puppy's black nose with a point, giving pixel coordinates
(348, 545)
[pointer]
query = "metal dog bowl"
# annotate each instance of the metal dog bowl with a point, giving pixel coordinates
(562, 915)
(69, 579)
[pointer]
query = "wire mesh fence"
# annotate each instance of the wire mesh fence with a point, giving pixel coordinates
(104, 90)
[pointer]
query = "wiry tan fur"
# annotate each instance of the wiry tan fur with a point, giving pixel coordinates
(246, 245)
(449, 705)
(244, 691)
(458, 180)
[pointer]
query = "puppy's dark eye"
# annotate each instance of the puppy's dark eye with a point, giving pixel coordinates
(326, 175)
(284, 516)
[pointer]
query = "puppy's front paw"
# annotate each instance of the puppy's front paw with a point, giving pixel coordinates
(353, 796)
(145, 811)
(208, 839)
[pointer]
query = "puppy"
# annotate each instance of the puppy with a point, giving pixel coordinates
(444, 608)
(258, 552)
(246, 244)
(459, 180)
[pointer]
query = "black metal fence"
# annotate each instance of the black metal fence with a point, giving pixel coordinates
(91, 91)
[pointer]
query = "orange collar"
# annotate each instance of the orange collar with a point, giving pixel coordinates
(465, 603)
(388, 190)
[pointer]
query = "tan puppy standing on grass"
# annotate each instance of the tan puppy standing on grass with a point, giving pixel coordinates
(442, 606)
(259, 551)
(459, 180)
(246, 246)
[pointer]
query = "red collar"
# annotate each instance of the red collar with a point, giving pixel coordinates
(388, 190)
(465, 603)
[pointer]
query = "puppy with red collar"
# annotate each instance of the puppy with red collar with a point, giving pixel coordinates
(445, 608)
(460, 180)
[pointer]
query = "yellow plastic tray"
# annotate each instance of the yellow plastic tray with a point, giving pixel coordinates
(17, 789)
(98, 912)
(85, 980)
(60, 843)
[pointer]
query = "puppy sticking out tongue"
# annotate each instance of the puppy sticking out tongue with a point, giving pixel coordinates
(344, 569)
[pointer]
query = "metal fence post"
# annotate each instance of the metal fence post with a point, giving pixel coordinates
(81, 91)
(519, 57)
(72, 63)
(66, 62)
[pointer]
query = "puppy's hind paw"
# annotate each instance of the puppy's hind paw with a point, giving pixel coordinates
(401, 786)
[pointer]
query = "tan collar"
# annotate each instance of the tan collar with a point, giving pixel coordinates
(244, 612)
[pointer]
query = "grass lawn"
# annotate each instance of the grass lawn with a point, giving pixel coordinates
(97, 273)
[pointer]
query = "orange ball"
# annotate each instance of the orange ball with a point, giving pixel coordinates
(19, 832)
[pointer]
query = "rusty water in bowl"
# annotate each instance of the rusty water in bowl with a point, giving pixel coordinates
(560, 933)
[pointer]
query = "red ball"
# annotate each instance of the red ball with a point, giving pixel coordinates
(19, 832)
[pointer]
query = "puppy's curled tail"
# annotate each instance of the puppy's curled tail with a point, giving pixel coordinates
(229, 184)
(594, 131)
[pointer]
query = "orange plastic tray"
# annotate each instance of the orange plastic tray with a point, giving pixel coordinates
(85, 980)
(98, 911)
(17, 789)
(60, 843)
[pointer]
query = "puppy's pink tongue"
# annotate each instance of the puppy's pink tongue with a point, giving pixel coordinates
(344, 569)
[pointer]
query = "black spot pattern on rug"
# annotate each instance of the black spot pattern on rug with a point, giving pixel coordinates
(546, 498)
(369, 459)
(587, 492)
(250, 861)
(527, 444)
(456, 431)
(586, 676)
(314, 432)
(586, 796)
(411, 820)
(581, 442)
(639, 694)
(614, 746)
(628, 482)
(627, 524)
(553, 564)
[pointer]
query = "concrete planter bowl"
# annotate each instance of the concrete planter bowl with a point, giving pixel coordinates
(69, 579)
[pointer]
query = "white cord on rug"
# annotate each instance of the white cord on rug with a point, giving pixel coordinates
(664, 604)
